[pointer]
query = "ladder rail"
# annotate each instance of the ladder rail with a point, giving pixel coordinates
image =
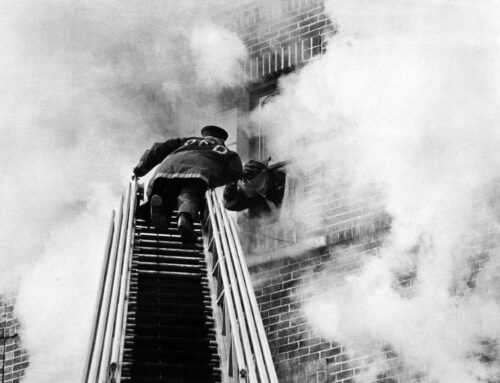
(237, 284)
(108, 341)
(95, 335)
(107, 334)
(95, 363)
(120, 324)
(228, 297)
(244, 294)
(235, 290)
(271, 371)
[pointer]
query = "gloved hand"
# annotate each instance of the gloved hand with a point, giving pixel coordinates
(139, 170)
(252, 168)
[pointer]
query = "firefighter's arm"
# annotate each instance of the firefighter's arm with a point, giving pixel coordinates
(233, 170)
(155, 155)
(234, 199)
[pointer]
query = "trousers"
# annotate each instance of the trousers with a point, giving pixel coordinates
(183, 195)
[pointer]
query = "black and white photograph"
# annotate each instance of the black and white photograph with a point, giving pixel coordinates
(250, 191)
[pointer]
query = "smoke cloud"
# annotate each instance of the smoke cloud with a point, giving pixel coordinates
(219, 55)
(407, 98)
(87, 86)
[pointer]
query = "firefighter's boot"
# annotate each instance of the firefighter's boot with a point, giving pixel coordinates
(185, 225)
(158, 217)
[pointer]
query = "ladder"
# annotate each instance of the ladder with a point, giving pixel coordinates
(170, 329)
(177, 313)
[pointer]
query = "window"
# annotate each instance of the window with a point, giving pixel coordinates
(262, 148)
(270, 228)
(259, 147)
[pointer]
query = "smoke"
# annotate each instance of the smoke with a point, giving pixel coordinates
(407, 98)
(219, 56)
(86, 87)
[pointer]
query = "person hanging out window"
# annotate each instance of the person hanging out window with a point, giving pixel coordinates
(260, 190)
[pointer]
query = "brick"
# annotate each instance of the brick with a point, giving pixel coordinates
(280, 302)
(265, 307)
(260, 46)
(272, 289)
(320, 347)
(270, 320)
(344, 375)
(251, 42)
(268, 36)
(286, 300)
(298, 336)
(299, 32)
(316, 11)
(279, 326)
(20, 368)
(277, 279)
(313, 367)
(298, 321)
(308, 358)
(318, 25)
(290, 284)
(287, 332)
(282, 341)
(297, 353)
(286, 30)
(263, 299)
(279, 294)
(330, 352)
(290, 315)
(298, 274)
(278, 310)
(288, 347)
(308, 21)
(290, 268)
(341, 358)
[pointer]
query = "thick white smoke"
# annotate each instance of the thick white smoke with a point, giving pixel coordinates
(219, 56)
(86, 87)
(407, 97)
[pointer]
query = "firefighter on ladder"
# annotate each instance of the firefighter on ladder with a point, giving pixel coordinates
(187, 167)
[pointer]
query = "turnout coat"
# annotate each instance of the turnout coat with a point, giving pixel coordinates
(259, 204)
(192, 157)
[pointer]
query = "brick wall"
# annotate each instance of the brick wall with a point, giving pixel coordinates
(13, 358)
(351, 229)
(280, 35)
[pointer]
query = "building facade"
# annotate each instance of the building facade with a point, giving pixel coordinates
(13, 358)
(342, 230)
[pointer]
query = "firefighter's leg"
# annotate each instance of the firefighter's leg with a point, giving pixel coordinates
(159, 216)
(188, 206)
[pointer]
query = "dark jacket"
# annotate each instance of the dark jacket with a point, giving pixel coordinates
(193, 157)
(259, 205)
